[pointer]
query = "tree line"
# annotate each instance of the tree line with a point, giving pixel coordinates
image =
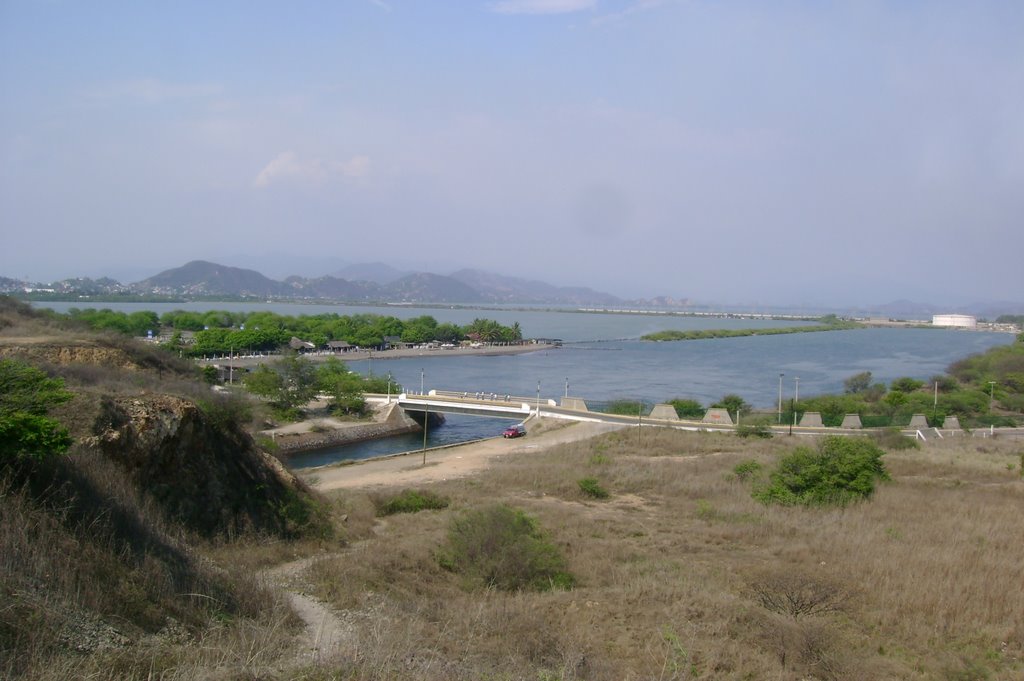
(980, 390)
(220, 331)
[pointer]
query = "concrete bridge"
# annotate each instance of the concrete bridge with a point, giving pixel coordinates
(520, 408)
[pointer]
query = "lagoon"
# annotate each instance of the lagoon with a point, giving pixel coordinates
(602, 358)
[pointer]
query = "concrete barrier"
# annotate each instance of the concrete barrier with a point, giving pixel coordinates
(574, 403)
(918, 421)
(811, 419)
(665, 412)
(951, 423)
(852, 421)
(717, 415)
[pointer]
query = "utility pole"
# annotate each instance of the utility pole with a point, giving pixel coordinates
(639, 419)
(991, 394)
(426, 419)
(780, 397)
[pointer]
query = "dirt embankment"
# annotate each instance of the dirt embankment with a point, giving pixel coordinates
(315, 434)
(450, 462)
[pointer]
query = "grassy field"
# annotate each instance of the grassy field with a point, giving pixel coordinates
(680, 574)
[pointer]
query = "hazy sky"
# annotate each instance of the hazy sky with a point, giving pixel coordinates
(811, 152)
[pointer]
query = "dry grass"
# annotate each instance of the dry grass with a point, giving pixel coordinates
(675, 571)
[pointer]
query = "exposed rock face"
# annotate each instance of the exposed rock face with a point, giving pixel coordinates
(210, 477)
(76, 353)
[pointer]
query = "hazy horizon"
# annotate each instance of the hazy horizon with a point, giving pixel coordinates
(838, 153)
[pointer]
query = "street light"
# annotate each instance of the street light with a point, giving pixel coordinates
(991, 394)
(426, 420)
(538, 399)
(796, 395)
(567, 386)
(780, 397)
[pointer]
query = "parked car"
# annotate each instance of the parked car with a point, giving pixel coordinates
(517, 430)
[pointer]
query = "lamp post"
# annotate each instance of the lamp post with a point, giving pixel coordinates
(796, 395)
(991, 394)
(780, 397)
(538, 399)
(567, 386)
(426, 419)
(389, 387)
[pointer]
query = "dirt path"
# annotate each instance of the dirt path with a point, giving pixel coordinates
(325, 635)
(445, 464)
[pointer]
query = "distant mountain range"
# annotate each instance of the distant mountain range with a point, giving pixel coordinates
(381, 283)
(374, 282)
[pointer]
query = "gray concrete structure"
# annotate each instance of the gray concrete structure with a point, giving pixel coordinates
(665, 412)
(717, 415)
(852, 421)
(811, 419)
(574, 403)
(951, 423)
(918, 421)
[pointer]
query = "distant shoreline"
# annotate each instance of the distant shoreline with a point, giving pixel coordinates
(398, 353)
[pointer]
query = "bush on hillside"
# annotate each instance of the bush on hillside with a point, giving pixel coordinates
(592, 488)
(409, 501)
(26, 395)
(501, 548)
(841, 470)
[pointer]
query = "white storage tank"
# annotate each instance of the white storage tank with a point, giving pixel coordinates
(958, 321)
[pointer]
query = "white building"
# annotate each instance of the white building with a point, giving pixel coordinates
(958, 321)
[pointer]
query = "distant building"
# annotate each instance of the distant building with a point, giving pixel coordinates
(958, 321)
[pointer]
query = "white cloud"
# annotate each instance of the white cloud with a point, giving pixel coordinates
(541, 6)
(289, 166)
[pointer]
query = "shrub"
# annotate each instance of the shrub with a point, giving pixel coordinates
(799, 595)
(761, 430)
(687, 408)
(26, 395)
(626, 407)
(591, 488)
(893, 439)
(746, 470)
(502, 548)
(734, 404)
(843, 469)
(410, 501)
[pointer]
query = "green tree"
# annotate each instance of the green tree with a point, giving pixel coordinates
(734, 404)
(687, 408)
(264, 382)
(857, 383)
(906, 384)
(344, 387)
(288, 383)
(26, 395)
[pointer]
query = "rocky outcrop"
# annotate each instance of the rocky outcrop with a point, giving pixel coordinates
(73, 353)
(207, 475)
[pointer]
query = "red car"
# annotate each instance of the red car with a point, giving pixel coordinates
(517, 430)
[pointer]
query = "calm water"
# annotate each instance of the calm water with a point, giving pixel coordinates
(599, 365)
